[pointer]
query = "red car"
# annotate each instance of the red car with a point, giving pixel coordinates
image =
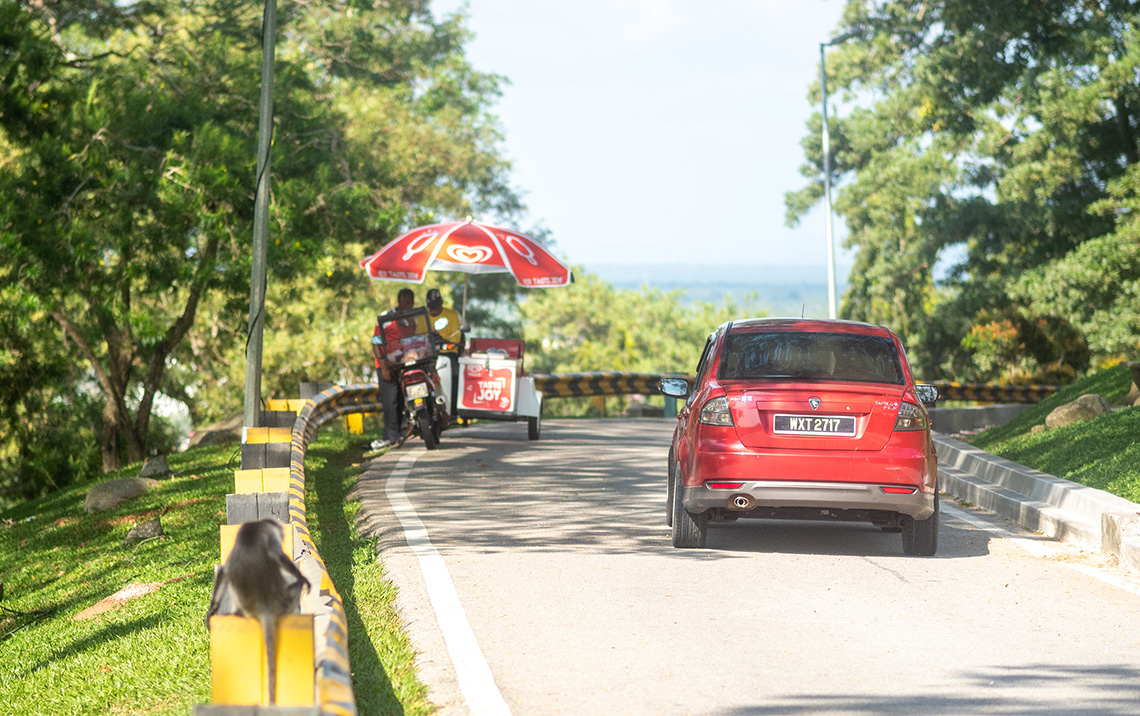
(803, 419)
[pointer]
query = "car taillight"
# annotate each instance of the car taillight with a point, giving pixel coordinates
(716, 412)
(911, 417)
(725, 485)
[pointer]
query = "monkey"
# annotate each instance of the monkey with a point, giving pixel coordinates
(263, 581)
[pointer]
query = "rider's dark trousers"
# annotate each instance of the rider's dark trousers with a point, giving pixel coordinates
(454, 360)
(390, 403)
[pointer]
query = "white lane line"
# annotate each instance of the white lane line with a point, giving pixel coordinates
(475, 679)
(1040, 549)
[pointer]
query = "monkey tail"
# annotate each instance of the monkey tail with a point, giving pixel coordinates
(269, 629)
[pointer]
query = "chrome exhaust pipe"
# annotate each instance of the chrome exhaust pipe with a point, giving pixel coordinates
(742, 503)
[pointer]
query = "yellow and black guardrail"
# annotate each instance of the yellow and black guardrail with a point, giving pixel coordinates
(313, 662)
(990, 393)
(584, 385)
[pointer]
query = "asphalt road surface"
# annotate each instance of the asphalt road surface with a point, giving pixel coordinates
(550, 568)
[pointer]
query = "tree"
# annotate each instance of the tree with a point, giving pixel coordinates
(1096, 286)
(130, 197)
(989, 129)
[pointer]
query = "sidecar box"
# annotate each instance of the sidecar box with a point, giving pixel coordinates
(493, 384)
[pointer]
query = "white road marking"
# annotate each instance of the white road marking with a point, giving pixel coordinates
(1037, 548)
(475, 679)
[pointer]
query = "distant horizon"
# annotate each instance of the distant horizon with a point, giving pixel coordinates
(757, 290)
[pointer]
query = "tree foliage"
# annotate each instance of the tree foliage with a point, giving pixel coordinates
(1004, 133)
(129, 182)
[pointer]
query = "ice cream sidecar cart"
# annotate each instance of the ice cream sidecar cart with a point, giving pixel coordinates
(493, 385)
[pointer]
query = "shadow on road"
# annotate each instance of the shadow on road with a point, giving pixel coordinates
(997, 691)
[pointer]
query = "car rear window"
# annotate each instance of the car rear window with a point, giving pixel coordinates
(811, 356)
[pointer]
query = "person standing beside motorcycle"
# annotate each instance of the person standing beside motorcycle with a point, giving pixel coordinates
(445, 322)
(389, 388)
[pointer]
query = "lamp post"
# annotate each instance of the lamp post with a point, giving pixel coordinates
(831, 303)
(251, 406)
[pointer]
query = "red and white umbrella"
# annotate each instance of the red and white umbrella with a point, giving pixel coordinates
(469, 247)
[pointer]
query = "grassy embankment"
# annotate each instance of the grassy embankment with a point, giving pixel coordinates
(1103, 453)
(150, 654)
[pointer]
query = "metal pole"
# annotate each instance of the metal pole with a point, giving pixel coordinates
(463, 315)
(831, 307)
(251, 414)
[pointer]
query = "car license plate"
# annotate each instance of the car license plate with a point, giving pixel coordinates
(417, 390)
(833, 425)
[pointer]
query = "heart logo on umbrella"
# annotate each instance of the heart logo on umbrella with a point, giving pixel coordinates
(469, 254)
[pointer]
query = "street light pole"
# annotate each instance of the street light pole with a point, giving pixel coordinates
(251, 407)
(832, 310)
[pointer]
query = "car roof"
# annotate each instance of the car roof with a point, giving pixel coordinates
(811, 325)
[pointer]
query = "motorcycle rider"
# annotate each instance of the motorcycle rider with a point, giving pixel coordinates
(389, 387)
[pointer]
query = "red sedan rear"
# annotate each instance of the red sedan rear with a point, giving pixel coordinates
(803, 419)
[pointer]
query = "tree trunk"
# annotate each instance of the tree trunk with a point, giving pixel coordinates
(114, 380)
(118, 428)
(109, 440)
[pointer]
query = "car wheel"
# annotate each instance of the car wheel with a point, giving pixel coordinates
(534, 427)
(689, 530)
(669, 491)
(920, 537)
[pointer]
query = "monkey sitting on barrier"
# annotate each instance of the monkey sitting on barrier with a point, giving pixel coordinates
(263, 581)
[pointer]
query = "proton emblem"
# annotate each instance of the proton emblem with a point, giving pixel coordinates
(814, 403)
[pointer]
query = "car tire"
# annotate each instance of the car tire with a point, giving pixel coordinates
(920, 537)
(534, 427)
(669, 491)
(689, 530)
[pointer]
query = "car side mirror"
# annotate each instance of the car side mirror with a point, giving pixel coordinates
(927, 394)
(674, 387)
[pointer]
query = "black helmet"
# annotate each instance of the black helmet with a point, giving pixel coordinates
(434, 298)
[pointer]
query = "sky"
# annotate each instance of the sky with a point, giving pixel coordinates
(659, 131)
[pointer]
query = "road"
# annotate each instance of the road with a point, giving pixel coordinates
(550, 566)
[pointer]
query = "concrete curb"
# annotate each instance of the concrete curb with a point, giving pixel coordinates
(955, 420)
(1040, 502)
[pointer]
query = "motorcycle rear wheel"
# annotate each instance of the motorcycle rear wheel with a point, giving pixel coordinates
(423, 419)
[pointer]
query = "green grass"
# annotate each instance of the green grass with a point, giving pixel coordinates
(150, 655)
(1103, 453)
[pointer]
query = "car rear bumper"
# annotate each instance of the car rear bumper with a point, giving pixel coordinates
(904, 461)
(759, 495)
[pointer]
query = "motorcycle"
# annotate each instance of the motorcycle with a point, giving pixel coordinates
(412, 349)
